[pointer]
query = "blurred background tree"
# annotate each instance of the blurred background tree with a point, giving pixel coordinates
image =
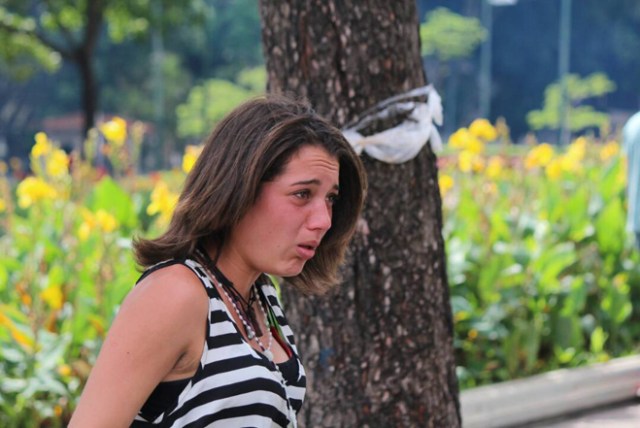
(71, 30)
(451, 39)
(604, 37)
(147, 59)
(581, 116)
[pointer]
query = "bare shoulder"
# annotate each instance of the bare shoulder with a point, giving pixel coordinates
(171, 302)
(160, 323)
(172, 288)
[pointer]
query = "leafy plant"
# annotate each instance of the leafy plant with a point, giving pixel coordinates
(543, 274)
(580, 116)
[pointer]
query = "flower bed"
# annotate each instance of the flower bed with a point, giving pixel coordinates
(542, 273)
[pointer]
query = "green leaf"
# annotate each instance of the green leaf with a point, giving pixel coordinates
(616, 303)
(567, 332)
(575, 301)
(552, 264)
(449, 35)
(207, 104)
(598, 339)
(111, 197)
(580, 116)
(610, 228)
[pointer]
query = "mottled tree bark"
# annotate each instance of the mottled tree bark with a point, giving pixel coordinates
(378, 349)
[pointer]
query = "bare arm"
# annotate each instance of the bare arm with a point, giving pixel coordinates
(162, 319)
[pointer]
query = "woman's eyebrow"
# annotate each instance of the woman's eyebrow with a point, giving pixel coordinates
(313, 181)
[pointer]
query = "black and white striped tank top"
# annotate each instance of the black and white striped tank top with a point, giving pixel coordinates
(235, 385)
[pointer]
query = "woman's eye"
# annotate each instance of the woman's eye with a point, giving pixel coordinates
(333, 198)
(302, 194)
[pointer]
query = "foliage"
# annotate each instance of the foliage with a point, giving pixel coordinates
(43, 31)
(66, 264)
(578, 90)
(542, 272)
(22, 55)
(449, 35)
(64, 26)
(208, 103)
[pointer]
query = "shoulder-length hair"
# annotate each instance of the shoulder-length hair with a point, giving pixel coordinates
(250, 146)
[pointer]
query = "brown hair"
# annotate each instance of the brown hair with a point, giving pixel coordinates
(250, 146)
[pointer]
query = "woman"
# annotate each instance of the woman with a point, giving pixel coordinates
(202, 340)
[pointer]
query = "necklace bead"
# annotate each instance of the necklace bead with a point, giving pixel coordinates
(266, 350)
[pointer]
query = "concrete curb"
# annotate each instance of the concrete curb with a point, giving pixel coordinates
(551, 394)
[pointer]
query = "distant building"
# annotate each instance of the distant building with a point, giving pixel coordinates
(66, 130)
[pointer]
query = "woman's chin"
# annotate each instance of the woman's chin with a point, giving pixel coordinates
(290, 271)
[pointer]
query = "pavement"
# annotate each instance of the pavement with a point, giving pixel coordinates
(623, 415)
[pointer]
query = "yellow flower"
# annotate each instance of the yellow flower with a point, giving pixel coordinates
(577, 149)
(191, 154)
(621, 177)
(571, 162)
(446, 183)
(42, 146)
(474, 145)
(52, 295)
(554, 169)
(621, 279)
(19, 336)
(473, 334)
(33, 189)
(115, 130)
(64, 370)
(465, 161)
(3, 205)
(106, 221)
(495, 166)
(101, 219)
(84, 231)
(469, 161)
(25, 299)
(22, 339)
(609, 150)
(461, 316)
(57, 163)
(97, 324)
(483, 129)
(458, 139)
(539, 155)
(464, 140)
(477, 163)
(163, 202)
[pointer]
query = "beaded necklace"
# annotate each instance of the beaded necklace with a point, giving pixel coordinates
(244, 306)
(251, 333)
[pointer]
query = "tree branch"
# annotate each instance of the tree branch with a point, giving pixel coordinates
(66, 33)
(37, 34)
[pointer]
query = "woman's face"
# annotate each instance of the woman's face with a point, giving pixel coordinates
(282, 230)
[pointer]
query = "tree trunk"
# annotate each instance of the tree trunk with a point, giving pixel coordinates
(89, 91)
(378, 350)
(94, 17)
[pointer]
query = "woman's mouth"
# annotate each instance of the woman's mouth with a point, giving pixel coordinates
(306, 251)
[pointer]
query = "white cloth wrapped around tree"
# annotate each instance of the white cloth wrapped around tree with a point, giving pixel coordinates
(402, 142)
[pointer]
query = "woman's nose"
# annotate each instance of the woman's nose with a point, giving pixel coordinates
(320, 216)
